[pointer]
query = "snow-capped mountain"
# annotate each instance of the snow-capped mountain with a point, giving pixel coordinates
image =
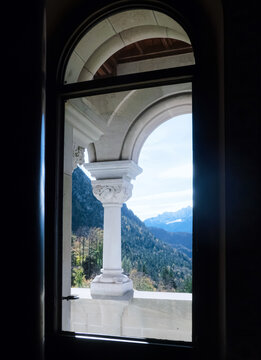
(179, 221)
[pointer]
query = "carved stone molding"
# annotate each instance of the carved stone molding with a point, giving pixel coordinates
(112, 191)
(78, 155)
(118, 169)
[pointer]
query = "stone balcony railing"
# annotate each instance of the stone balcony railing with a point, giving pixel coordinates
(156, 315)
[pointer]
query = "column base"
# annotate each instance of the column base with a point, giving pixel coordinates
(107, 286)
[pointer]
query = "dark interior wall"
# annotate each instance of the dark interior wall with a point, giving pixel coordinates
(22, 244)
(22, 195)
(242, 94)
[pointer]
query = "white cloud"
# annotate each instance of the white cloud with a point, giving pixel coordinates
(162, 196)
(179, 172)
(166, 181)
(145, 210)
(154, 204)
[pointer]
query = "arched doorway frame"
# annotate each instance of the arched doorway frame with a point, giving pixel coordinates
(153, 115)
(112, 268)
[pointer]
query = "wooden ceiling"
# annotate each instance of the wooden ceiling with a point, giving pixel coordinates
(142, 50)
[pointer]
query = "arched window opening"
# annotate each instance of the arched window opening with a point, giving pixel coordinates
(143, 55)
(129, 42)
(162, 199)
(111, 259)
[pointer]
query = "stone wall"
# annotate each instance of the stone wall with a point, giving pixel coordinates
(148, 315)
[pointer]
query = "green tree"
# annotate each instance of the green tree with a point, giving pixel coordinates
(168, 278)
(93, 261)
(141, 282)
(126, 265)
(78, 278)
(188, 285)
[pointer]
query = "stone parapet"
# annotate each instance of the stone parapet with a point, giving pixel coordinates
(164, 316)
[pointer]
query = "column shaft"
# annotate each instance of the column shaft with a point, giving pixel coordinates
(112, 238)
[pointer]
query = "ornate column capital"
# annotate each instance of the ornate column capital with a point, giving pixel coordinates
(112, 191)
(118, 169)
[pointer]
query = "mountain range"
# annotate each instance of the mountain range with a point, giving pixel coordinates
(179, 221)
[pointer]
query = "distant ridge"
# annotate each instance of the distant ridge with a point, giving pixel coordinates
(178, 221)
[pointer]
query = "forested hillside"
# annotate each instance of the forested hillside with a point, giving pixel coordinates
(151, 263)
(179, 240)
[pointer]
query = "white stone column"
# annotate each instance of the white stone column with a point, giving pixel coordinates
(112, 188)
(112, 282)
(67, 216)
(73, 155)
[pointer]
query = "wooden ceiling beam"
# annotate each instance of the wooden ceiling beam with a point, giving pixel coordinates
(154, 54)
(101, 72)
(107, 67)
(143, 50)
(139, 48)
(165, 43)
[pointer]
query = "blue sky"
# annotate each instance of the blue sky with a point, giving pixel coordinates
(166, 160)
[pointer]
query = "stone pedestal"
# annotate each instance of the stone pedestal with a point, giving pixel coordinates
(112, 192)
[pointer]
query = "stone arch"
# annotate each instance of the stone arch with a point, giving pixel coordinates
(129, 119)
(94, 48)
(150, 119)
(114, 33)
